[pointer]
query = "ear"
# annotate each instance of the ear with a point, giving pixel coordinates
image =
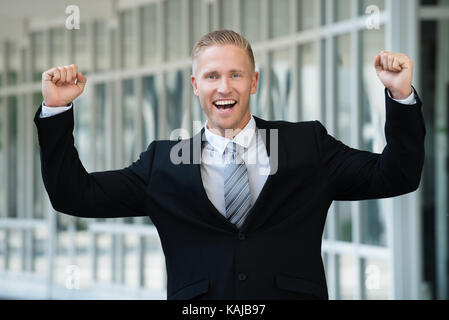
(194, 85)
(254, 82)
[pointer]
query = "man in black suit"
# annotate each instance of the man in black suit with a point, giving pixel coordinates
(239, 208)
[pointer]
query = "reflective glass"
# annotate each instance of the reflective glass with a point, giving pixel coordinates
(380, 4)
(196, 21)
(343, 219)
(281, 84)
(2, 64)
(81, 50)
(346, 277)
(15, 245)
(175, 106)
(343, 90)
(83, 136)
(40, 194)
(258, 105)
(154, 263)
(37, 55)
(40, 243)
(227, 14)
(342, 9)
(128, 39)
(13, 155)
(373, 228)
(311, 93)
(101, 142)
(252, 24)
(13, 63)
(306, 14)
(131, 150)
(58, 45)
(280, 18)
(150, 110)
(131, 261)
(102, 54)
(103, 271)
(376, 279)
(3, 209)
(149, 34)
(174, 30)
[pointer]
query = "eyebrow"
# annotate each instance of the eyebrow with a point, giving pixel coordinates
(216, 72)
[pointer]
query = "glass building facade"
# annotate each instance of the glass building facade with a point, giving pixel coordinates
(315, 61)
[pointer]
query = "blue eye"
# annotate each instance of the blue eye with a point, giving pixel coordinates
(211, 76)
(235, 75)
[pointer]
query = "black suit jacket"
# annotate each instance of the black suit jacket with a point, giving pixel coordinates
(277, 252)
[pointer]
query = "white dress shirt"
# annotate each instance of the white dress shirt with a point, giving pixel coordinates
(213, 157)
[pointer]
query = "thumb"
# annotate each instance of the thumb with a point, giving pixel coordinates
(81, 81)
(377, 63)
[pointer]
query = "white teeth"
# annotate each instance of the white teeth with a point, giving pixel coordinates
(225, 102)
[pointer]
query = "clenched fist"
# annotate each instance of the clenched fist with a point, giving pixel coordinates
(62, 85)
(395, 71)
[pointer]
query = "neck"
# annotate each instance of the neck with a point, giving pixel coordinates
(229, 133)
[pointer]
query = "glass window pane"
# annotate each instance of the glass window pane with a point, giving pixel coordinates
(37, 55)
(376, 279)
(258, 105)
(3, 209)
(174, 30)
(2, 63)
(310, 83)
(346, 277)
(150, 110)
(83, 136)
(281, 83)
(40, 194)
(128, 39)
(342, 9)
(40, 242)
(3, 243)
(175, 109)
(102, 54)
(227, 17)
(343, 219)
(63, 241)
(343, 91)
(373, 223)
(196, 20)
(13, 63)
(15, 244)
(306, 14)
(366, 3)
(131, 261)
(103, 243)
(13, 156)
(252, 24)
(149, 34)
(101, 141)
(131, 150)
(154, 262)
(83, 256)
(280, 18)
(58, 45)
(81, 50)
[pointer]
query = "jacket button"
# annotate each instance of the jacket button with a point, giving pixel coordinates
(242, 276)
(242, 236)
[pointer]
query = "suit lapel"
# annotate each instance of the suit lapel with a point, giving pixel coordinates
(277, 161)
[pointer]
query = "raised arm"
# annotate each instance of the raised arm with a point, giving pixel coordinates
(118, 193)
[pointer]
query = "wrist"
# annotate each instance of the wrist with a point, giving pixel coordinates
(401, 94)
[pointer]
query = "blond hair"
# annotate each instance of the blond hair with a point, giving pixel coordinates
(222, 37)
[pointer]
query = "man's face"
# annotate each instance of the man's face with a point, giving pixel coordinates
(224, 81)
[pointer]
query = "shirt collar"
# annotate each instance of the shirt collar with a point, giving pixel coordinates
(243, 138)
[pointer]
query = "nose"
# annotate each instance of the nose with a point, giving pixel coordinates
(224, 87)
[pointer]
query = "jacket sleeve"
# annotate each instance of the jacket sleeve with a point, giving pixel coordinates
(361, 175)
(108, 194)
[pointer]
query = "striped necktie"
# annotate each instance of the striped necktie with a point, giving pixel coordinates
(236, 187)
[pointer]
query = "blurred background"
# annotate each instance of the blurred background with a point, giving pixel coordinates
(315, 60)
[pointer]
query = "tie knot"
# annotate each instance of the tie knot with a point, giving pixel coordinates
(234, 153)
